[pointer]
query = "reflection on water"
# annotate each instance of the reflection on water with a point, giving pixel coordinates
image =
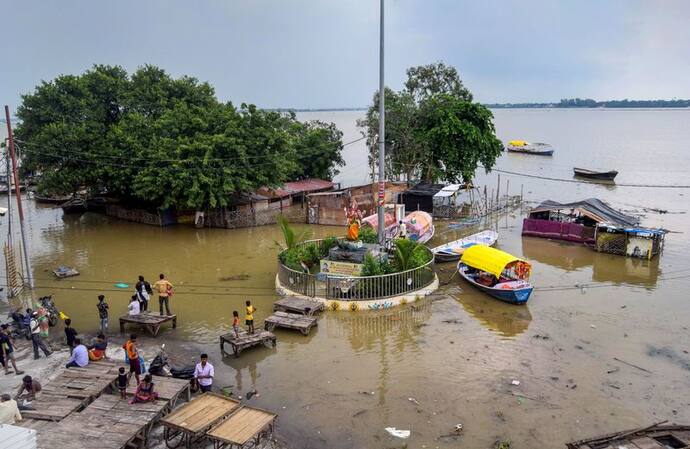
(360, 328)
(507, 320)
(605, 267)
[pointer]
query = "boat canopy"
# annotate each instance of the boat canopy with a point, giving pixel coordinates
(488, 259)
(518, 143)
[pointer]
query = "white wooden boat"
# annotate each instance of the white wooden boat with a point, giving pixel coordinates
(453, 250)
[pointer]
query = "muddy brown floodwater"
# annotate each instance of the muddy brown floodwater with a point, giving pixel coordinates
(442, 361)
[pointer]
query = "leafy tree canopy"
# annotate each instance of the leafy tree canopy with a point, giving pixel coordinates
(434, 131)
(163, 142)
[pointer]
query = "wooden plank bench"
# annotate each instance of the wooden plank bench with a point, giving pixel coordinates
(259, 337)
(190, 422)
(244, 425)
(152, 322)
(298, 305)
(302, 323)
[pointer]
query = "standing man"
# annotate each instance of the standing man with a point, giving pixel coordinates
(249, 317)
(80, 356)
(36, 339)
(164, 289)
(203, 373)
(144, 292)
(402, 230)
(132, 349)
(7, 350)
(103, 313)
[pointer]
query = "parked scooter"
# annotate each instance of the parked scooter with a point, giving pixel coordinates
(20, 324)
(159, 366)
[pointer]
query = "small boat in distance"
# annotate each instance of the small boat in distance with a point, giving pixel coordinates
(537, 148)
(453, 250)
(593, 174)
(496, 273)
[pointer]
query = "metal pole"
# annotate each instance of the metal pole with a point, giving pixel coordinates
(382, 137)
(25, 246)
(9, 193)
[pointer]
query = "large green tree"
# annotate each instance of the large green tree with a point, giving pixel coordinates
(434, 131)
(164, 142)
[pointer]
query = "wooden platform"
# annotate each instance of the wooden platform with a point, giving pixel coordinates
(152, 322)
(189, 422)
(168, 389)
(298, 305)
(302, 323)
(72, 390)
(107, 423)
(242, 426)
(259, 337)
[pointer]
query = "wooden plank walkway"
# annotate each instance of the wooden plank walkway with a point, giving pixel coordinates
(192, 420)
(109, 422)
(152, 322)
(72, 390)
(259, 337)
(298, 305)
(244, 425)
(302, 323)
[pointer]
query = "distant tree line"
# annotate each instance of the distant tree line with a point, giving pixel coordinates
(589, 103)
(156, 141)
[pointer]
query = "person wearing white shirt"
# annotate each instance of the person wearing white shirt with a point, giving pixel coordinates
(80, 356)
(9, 411)
(203, 373)
(134, 307)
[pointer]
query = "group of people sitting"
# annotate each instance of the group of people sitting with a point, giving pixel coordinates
(81, 353)
(10, 408)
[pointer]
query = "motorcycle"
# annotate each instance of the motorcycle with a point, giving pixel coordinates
(159, 366)
(53, 313)
(20, 324)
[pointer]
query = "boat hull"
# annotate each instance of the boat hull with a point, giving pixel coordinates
(516, 296)
(589, 174)
(538, 151)
(452, 251)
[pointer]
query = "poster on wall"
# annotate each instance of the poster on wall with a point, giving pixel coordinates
(334, 268)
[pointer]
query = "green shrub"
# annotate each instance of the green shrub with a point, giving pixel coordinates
(291, 258)
(373, 266)
(368, 234)
(327, 244)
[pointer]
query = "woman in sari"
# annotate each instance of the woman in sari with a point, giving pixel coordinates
(144, 392)
(97, 351)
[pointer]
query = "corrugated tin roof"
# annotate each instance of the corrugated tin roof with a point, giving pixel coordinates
(594, 208)
(293, 187)
(425, 189)
(308, 185)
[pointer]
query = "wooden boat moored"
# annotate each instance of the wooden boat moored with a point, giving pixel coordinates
(48, 199)
(593, 174)
(74, 206)
(656, 436)
(536, 148)
(453, 250)
(496, 273)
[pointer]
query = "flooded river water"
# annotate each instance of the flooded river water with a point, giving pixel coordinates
(451, 358)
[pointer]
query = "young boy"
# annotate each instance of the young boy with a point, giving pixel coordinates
(236, 323)
(249, 317)
(71, 334)
(122, 382)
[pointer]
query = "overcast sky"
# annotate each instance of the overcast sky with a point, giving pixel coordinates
(324, 53)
